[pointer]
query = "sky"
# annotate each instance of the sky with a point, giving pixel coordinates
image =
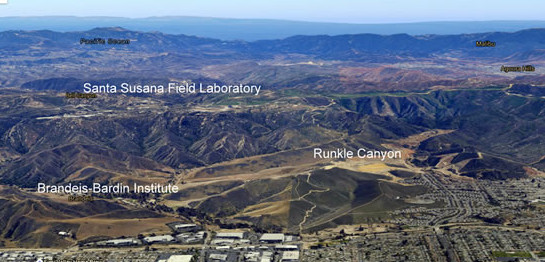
(341, 11)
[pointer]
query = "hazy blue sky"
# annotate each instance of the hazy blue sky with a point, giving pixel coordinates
(353, 11)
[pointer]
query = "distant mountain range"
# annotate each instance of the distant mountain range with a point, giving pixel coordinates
(351, 63)
(256, 29)
(341, 47)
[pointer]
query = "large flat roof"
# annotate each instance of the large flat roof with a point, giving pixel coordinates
(270, 237)
(159, 238)
(180, 258)
(290, 255)
(230, 235)
(121, 240)
(184, 225)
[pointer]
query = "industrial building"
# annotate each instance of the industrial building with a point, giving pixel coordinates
(290, 256)
(231, 235)
(159, 239)
(272, 238)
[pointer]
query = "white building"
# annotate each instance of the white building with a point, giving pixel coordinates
(122, 242)
(230, 235)
(217, 257)
(178, 258)
(200, 234)
(272, 238)
(64, 234)
(160, 239)
(290, 256)
(252, 256)
(186, 227)
(267, 256)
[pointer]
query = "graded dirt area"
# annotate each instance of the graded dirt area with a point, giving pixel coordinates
(120, 227)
